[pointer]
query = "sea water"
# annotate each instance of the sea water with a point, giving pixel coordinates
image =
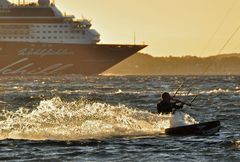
(106, 118)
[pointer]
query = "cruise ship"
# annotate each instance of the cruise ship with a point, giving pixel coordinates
(38, 39)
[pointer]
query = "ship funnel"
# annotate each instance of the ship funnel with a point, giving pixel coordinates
(44, 2)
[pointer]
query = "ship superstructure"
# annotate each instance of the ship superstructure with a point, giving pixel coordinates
(43, 22)
(38, 39)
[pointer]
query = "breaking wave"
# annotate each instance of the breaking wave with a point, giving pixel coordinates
(219, 90)
(59, 120)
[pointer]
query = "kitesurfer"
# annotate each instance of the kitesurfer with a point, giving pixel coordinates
(168, 104)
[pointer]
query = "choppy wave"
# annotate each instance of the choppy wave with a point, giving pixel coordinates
(219, 90)
(58, 120)
(236, 143)
(211, 91)
(62, 126)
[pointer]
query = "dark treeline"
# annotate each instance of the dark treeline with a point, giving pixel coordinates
(143, 64)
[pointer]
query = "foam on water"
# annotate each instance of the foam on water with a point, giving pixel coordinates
(119, 92)
(179, 119)
(215, 91)
(237, 143)
(58, 120)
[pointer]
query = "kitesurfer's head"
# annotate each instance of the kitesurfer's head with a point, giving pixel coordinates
(166, 97)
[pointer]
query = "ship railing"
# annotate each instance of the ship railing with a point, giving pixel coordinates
(29, 17)
(68, 16)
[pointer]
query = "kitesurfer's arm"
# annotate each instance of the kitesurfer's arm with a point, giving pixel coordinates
(177, 106)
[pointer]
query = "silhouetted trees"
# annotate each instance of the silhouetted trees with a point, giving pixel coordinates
(143, 64)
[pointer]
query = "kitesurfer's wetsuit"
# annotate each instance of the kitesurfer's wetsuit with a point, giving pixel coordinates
(168, 107)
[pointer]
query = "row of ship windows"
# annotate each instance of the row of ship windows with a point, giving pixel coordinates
(83, 32)
(40, 37)
(21, 32)
(50, 26)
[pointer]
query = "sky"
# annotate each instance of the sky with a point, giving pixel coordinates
(169, 27)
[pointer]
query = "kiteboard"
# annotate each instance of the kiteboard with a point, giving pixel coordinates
(206, 129)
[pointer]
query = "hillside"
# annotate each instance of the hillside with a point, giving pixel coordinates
(143, 64)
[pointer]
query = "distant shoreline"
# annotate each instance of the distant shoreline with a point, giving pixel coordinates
(144, 64)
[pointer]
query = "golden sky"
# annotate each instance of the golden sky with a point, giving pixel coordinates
(169, 27)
